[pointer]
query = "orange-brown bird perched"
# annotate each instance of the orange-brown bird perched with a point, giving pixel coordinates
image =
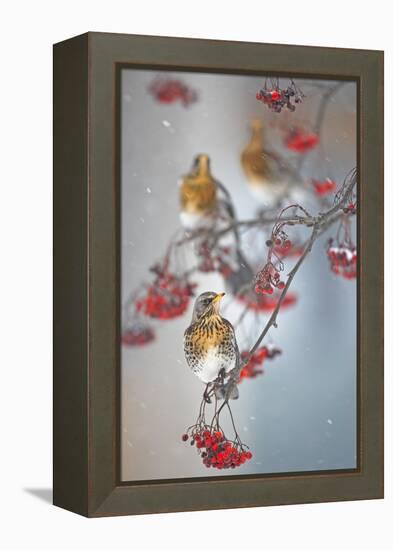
(198, 195)
(262, 173)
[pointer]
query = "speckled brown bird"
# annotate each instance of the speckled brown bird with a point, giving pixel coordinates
(210, 343)
(198, 195)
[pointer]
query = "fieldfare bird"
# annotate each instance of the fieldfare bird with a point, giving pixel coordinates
(198, 195)
(210, 345)
(268, 181)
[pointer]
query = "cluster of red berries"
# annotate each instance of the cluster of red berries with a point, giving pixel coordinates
(323, 187)
(267, 278)
(276, 98)
(137, 335)
(280, 244)
(219, 261)
(283, 250)
(299, 141)
(216, 451)
(343, 260)
(166, 298)
(167, 90)
(253, 367)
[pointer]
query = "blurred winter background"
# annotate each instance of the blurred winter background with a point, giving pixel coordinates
(301, 414)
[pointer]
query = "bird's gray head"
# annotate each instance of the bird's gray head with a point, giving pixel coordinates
(206, 303)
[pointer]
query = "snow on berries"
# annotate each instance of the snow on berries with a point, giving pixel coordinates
(323, 187)
(341, 251)
(267, 279)
(287, 249)
(342, 259)
(215, 449)
(280, 246)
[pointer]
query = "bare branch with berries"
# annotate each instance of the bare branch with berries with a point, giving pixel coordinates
(269, 275)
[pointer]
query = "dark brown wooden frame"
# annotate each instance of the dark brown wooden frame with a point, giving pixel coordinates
(86, 275)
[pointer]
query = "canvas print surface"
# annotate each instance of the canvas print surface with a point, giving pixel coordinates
(238, 275)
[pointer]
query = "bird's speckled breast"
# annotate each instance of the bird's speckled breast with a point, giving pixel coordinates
(208, 333)
(210, 346)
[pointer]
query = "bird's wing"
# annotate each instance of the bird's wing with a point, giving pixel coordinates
(229, 389)
(191, 360)
(233, 341)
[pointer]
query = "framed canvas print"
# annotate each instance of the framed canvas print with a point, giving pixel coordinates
(218, 260)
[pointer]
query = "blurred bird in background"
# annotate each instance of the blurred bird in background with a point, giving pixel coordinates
(204, 203)
(268, 179)
(198, 196)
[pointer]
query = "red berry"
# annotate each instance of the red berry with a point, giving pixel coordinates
(184, 437)
(260, 354)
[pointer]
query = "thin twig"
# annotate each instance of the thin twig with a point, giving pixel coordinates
(320, 224)
(272, 321)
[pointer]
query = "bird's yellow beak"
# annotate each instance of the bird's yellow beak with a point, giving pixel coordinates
(218, 297)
